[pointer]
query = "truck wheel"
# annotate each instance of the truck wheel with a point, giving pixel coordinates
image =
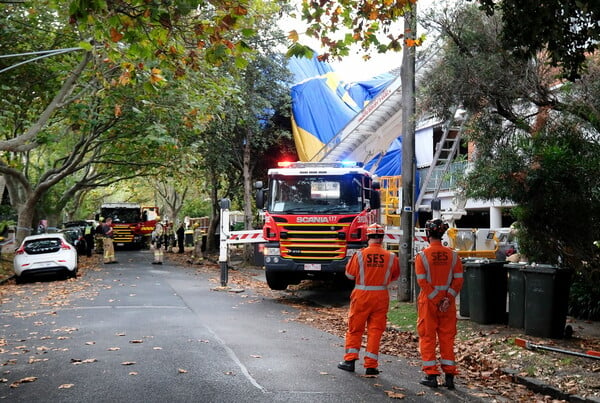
(276, 281)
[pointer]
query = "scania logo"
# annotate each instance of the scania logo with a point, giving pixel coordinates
(309, 220)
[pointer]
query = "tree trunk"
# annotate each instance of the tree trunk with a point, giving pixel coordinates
(247, 176)
(215, 214)
(26, 214)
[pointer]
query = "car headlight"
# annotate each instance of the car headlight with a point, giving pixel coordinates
(350, 252)
(271, 251)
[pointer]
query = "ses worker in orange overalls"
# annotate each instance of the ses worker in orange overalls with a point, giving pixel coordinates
(440, 276)
(372, 268)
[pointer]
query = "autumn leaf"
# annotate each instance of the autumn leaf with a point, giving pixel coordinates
(28, 379)
(136, 341)
(113, 348)
(182, 371)
(66, 386)
(115, 35)
(155, 77)
(394, 395)
(128, 363)
(293, 36)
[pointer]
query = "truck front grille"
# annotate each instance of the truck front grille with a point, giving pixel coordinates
(122, 233)
(312, 241)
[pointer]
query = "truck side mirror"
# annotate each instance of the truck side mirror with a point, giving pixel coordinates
(375, 201)
(260, 198)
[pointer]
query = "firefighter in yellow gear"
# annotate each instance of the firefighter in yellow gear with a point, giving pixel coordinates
(108, 246)
(158, 238)
(372, 268)
(440, 276)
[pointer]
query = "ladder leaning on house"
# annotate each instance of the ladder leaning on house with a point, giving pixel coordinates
(445, 152)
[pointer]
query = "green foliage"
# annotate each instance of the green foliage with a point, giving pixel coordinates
(551, 176)
(585, 296)
(568, 30)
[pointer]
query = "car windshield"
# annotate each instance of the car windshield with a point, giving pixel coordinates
(340, 194)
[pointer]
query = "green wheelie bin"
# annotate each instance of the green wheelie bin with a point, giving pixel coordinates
(516, 295)
(546, 300)
(487, 285)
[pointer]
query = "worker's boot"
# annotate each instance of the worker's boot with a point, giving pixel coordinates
(371, 371)
(449, 381)
(430, 380)
(347, 366)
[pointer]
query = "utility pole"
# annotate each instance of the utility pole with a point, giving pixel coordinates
(407, 75)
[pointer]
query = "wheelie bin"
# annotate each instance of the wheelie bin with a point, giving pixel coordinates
(487, 284)
(516, 295)
(463, 298)
(546, 300)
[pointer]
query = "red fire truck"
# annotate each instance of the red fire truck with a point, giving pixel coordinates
(316, 215)
(133, 223)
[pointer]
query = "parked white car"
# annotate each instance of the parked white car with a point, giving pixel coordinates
(43, 254)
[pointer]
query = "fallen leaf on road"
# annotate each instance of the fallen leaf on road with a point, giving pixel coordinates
(157, 348)
(394, 395)
(128, 363)
(113, 348)
(16, 384)
(66, 386)
(120, 334)
(228, 372)
(76, 361)
(133, 373)
(136, 341)
(255, 356)
(89, 343)
(182, 371)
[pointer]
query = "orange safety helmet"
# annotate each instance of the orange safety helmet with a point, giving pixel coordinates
(375, 230)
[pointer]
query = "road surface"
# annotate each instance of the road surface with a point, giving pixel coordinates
(136, 332)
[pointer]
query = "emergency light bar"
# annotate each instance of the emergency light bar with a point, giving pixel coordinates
(338, 164)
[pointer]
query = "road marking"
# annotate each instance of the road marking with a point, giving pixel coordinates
(235, 359)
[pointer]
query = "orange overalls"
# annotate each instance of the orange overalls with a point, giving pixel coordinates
(440, 275)
(372, 269)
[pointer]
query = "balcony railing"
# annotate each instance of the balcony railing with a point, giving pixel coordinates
(445, 180)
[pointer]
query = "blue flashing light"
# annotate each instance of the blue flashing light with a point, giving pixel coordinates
(352, 164)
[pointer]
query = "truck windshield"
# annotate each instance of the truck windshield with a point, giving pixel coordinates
(316, 194)
(121, 215)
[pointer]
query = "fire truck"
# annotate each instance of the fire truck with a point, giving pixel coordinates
(132, 223)
(316, 215)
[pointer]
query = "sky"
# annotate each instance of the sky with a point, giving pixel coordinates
(353, 67)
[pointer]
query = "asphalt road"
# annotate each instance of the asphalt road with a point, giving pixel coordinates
(136, 332)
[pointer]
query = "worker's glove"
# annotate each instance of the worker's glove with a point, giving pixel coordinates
(444, 305)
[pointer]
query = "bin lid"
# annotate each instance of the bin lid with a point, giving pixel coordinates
(543, 268)
(482, 263)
